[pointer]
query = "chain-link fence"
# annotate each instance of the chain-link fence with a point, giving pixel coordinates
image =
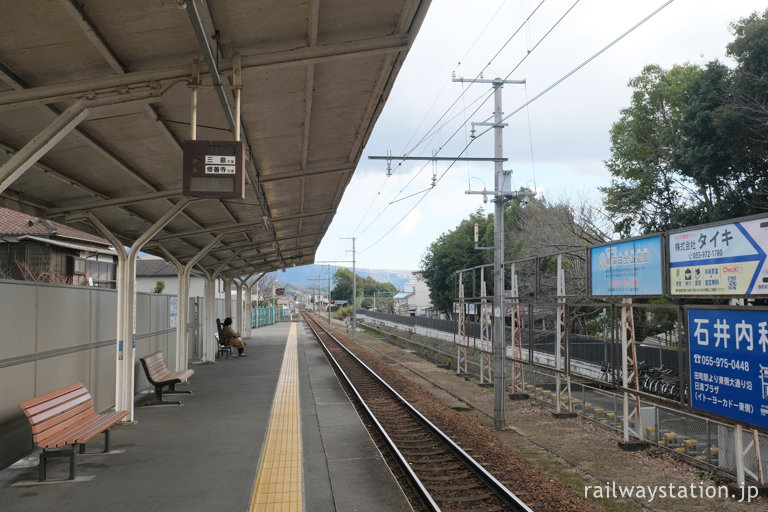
(701, 440)
(595, 370)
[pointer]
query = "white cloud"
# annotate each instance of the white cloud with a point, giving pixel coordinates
(559, 142)
(410, 223)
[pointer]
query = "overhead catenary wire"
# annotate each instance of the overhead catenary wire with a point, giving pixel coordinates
(584, 63)
(427, 190)
(429, 132)
(437, 126)
(485, 96)
(464, 91)
(528, 102)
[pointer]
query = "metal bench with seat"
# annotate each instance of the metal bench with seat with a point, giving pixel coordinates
(66, 418)
(158, 374)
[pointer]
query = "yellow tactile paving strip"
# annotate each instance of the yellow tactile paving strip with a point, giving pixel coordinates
(278, 482)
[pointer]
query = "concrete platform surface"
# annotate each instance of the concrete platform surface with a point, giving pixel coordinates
(205, 454)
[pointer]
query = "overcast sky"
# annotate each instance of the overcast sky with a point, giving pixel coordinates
(556, 145)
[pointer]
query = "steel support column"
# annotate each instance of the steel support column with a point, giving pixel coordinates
(182, 345)
(461, 346)
(121, 320)
(126, 335)
(228, 299)
(629, 367)
(561, 350)
(239, 306)
(500, 186)
(209, 324)
(182, 296)
(244, 315)
(518, 375)
(486, 337)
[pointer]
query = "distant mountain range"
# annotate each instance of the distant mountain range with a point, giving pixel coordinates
(317, 275)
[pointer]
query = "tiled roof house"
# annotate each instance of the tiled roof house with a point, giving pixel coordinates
(35, 249)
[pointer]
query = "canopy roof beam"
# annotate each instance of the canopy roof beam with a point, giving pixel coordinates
(145, 79)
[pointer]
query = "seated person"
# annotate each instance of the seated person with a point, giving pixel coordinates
(232, 338)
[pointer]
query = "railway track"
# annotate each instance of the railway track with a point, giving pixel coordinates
(439, 472)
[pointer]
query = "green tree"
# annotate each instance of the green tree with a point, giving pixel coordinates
(693, 145)
(159, 287)
(453, 251)
(750, 50)
(540, 227)
(342, 279)
(648, 190)
(366, 286)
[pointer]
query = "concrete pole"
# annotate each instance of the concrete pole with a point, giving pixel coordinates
(354, 293)
(499, 381)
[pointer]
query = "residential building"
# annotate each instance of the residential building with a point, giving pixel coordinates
(151, 269)
(35, 249)
(414, 299)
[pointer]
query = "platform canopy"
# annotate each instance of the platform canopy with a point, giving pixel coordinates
(96, 101)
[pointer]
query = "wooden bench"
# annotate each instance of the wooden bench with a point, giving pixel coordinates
(158, 374)
(66, 417)
(223, 348)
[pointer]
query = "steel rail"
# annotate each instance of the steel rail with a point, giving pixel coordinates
(499, 488)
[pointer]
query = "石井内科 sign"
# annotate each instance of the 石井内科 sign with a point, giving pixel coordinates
(729, 363)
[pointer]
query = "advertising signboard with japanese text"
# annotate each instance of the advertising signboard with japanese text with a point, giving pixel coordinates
(728, 259)
(729, 363)
(627, 268)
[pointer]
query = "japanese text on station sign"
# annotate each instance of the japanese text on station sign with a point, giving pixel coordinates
(729, 363)
(220, 164)
(729, 259)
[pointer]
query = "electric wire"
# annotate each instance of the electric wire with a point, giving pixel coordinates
(436, 127)
(542, 38)
(397, 197)
(482, 32)
(590, 59)
(484, 96)
(522, 25)
(424, 191)
(528, 102)
(429, 134)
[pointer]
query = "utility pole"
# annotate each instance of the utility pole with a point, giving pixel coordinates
(354, 290)
(329, 296)
(502, 192)
(328, 308)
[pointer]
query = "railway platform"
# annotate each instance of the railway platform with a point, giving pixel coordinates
(272, 431)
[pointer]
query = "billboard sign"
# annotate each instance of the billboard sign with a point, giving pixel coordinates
(627, 268)
(729, 363)
(728, 259)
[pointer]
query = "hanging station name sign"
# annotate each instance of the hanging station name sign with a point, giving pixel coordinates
(214, 169)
